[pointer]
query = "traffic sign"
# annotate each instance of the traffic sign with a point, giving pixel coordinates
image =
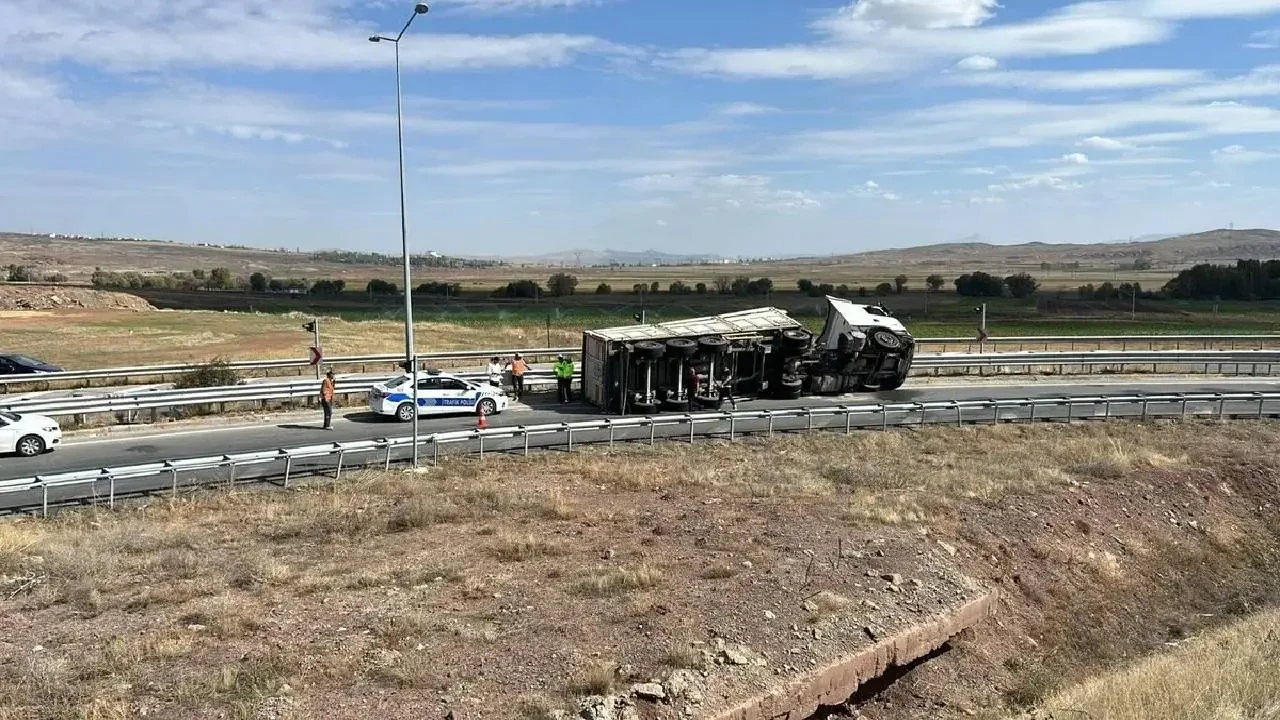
(315, 355)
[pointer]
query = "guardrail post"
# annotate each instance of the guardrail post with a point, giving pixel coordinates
(1070, 408)
(884, 417)
(733, 425)
(608, 422)
(770, 414)
(692, 426)
(175, 482)
(111, 491)
(1184, 408)
(231, 475)
(1261, 401)
(848, 418)
(435, 452)
(525, 432)
(342, 454)
(809, 412)
(569, 437)
(44, 506)
(1222, 405)
(959, 414)
(288, 467)
(1032, 417)
(652, 429)
(480, 437)
(386, 462)
(923, 413)
(1106, 409)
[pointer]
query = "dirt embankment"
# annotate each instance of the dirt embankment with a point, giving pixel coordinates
(31, 297)
(647, 584)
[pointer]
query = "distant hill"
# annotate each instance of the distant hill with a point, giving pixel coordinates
(1213, 246)
(587, 258)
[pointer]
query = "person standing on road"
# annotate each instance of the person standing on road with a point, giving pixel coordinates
(494, 372)
(690, 384)
(518, 368)
(326, 399)
(564, 378)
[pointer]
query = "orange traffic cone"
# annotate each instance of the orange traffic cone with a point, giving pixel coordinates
(481, 421)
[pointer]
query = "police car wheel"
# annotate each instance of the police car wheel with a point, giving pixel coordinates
(404, 413)
(489, 406)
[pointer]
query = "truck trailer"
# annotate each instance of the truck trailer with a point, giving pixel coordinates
(700, 363)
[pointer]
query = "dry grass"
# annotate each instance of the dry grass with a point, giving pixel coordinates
(620, 581)
(79, 339)
(382, 585)
(1233, 672)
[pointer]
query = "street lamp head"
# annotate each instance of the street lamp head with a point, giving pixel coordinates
(421, 8)
(374, 38)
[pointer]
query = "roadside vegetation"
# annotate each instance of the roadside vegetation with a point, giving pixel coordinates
(594, 570)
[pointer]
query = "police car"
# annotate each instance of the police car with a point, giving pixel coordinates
(438, 394)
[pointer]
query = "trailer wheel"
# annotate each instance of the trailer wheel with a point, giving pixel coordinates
(645, 408)
(713, 344)
(672, 405)
(650, 350)
(797, 339)
(790, 387)
(682, 347)
(886, 340)
(709, 402)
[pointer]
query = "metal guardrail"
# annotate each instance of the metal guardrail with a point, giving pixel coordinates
(1256, 362)
(124, 374)
(165, 475)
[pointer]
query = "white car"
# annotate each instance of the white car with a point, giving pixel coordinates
(28, 435)
(438, 394)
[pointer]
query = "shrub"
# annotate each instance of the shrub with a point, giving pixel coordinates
(215, 373)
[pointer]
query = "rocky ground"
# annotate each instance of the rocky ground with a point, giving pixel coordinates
(35, 298)
(666, 583)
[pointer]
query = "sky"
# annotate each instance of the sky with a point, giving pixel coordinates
(688, 126)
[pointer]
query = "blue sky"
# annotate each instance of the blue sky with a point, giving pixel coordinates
(698, 126)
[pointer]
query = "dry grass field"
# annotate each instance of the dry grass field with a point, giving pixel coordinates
(86, 338)
(510, 588)
(1233, 672)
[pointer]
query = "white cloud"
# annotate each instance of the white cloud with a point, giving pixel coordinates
(978, 63)
(743, 109)
(1261, 81)
(917, 14)
(1239, 154)
(874, 39)
(1076, 159)
(1265, 39)
(1103, 143)
(511, 6)
(971, 126)
(731, 190)
(1032, 182)
(135, 35)
(1079, 81)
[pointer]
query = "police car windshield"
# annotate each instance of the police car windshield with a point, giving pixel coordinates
(11, 417)
(396, 382)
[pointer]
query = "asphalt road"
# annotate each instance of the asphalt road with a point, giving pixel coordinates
(361, 425)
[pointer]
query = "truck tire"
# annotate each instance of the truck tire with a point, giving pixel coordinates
(681, 347)
(886, 340)
(713, 344)
(649, 350)
(644, 408)
(709, 402)
(790, 387)
(892, 383)
(672, 405)
(796, 339)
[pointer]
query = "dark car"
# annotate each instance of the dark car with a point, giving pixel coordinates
(14, 364)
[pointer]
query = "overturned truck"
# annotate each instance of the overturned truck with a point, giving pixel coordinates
(701, 363)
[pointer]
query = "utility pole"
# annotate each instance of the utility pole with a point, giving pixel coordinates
(314, 328)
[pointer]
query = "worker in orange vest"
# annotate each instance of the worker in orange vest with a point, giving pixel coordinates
(518, 368)
(326, 399)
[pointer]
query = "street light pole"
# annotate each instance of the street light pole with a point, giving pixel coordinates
(410, 352)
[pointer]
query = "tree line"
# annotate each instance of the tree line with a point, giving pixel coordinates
(348, 257)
